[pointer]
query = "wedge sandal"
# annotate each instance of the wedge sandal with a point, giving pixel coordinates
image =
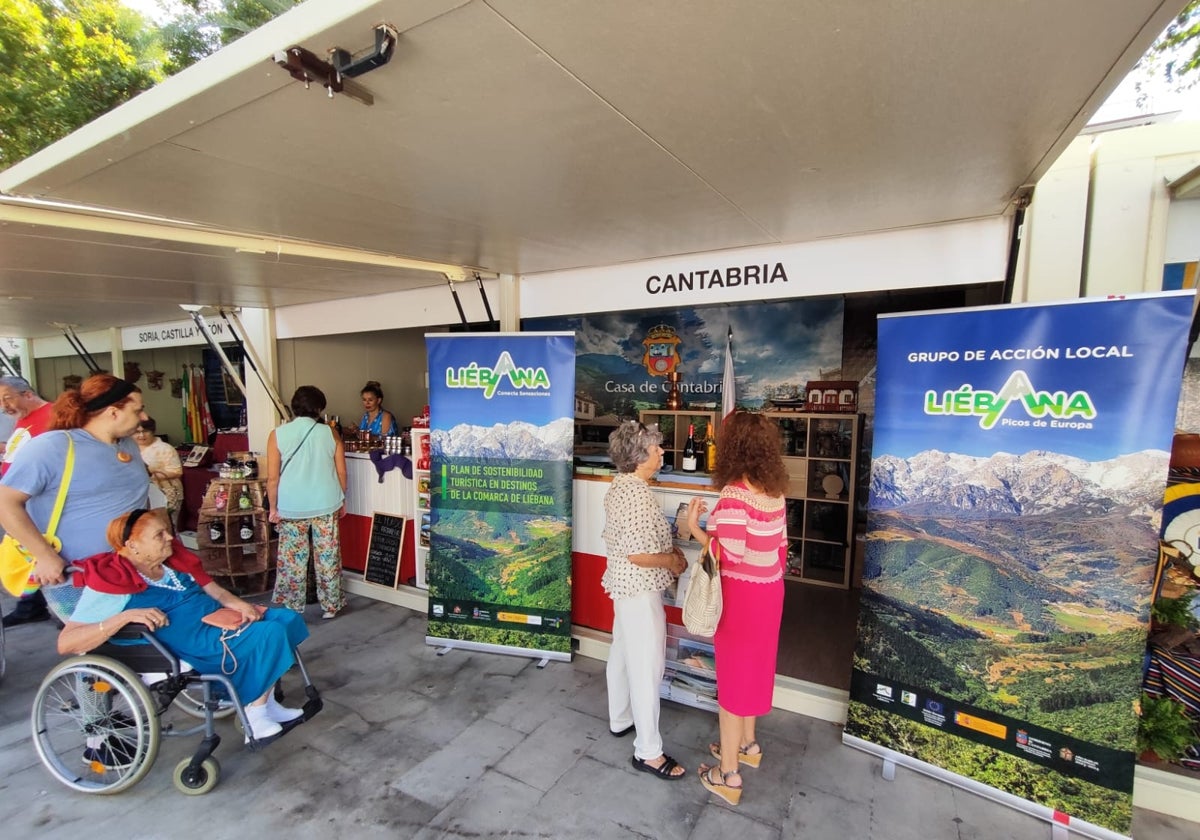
(731, 794)
(747, 758)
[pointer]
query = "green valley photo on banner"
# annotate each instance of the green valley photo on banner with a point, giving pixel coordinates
(501, 439)
(1019, 462)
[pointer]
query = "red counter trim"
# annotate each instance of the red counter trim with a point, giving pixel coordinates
(356, 536)
(590, 604)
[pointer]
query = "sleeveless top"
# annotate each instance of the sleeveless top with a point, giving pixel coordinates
(308, 482)
(375, 426)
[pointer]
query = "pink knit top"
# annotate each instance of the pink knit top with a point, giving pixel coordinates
(752, 532)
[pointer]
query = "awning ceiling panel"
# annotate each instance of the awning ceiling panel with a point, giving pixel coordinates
(520, 136)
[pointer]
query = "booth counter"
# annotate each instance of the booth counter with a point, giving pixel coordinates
(590, 606)
(369, 492)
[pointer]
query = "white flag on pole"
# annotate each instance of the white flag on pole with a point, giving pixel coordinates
(728, 385)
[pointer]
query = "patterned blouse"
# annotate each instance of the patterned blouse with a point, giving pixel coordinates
(752, 532)
(633, 524)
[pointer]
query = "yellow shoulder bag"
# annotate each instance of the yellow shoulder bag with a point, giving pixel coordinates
(16, 564)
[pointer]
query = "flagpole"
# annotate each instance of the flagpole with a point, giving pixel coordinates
(728, 381)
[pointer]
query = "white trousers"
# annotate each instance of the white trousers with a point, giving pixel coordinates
(635, 669)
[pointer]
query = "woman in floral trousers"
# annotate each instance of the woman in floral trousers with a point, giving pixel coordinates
(306, 486)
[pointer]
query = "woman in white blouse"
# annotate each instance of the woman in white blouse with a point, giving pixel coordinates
(642, 561)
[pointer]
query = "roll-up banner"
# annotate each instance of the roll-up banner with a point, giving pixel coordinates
(502, 408)
(1020, 457)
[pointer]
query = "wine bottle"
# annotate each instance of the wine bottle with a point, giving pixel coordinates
(689, 451)
(221, 498)
(710, 450)
(246, 530)
(244, 502)
(216, 532)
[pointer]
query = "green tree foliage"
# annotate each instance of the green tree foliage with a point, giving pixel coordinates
(1181, 43)
(201, 27)
(66, 63)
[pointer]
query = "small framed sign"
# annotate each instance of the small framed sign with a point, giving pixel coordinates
(195, 458)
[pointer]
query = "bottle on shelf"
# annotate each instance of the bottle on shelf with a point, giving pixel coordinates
(688, 463)
(246, 529)
(244, 500)
(216, 532)
(710, 450)
(787, 436)
(221, 499)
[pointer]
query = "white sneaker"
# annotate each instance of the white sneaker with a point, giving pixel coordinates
(261, 723)
(280, 713)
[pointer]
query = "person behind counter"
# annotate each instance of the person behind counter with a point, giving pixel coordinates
(306, 486)
(749, 527)
(375, 419)
(642, 561)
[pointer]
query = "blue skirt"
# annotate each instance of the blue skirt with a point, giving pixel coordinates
(257, 656)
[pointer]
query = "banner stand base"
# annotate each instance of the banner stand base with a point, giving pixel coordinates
(1062, 825)
(544, 656)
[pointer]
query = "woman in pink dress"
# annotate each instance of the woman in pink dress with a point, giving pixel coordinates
(748, 526)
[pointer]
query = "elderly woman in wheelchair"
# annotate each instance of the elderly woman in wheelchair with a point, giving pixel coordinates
(236, 650)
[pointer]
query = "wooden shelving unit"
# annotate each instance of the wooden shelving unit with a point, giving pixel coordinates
(674, 428)
(821, 454)
(420, 483)
(245, 567)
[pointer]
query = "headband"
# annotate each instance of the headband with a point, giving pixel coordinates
(119, 391)
(134, 516)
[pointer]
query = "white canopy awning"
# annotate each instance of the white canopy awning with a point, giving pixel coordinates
(518, 136)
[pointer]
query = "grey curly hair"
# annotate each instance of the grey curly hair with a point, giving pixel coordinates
(629, 444)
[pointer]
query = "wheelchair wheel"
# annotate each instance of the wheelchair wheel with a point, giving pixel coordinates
(202, 781)
(190, 701)
(94, 725)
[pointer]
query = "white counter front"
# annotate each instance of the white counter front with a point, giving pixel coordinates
(365, 494)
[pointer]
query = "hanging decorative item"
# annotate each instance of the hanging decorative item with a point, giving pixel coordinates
(72, 381)
(154, 379)
(177, 388)
(133, 372)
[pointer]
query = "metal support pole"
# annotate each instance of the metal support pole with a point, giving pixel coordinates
(69, 334)
(255, 362)
(454, 292)
(202, 325)
(487, 307)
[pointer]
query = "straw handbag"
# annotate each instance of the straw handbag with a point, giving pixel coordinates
(702, 600)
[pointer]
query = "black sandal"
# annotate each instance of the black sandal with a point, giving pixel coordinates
(663, 771)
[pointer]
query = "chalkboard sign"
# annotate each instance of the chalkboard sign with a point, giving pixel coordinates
(383, 550)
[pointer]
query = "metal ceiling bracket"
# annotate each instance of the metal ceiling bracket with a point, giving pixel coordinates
(305, 66)
(367, 60)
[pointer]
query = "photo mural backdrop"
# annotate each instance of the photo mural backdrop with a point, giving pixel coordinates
(1020, 457)
(622, 358)
(501, 439)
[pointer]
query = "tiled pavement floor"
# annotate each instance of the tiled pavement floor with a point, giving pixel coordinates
(474, 745)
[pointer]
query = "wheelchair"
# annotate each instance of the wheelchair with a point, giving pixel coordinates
(97, 718)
